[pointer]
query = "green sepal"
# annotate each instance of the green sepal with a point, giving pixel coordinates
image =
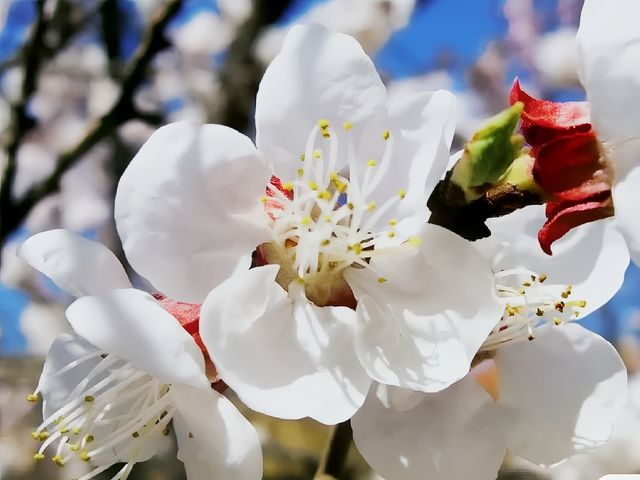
(489, 153)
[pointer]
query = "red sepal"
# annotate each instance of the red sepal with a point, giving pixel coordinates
(543, 120)
(568, 164)
(566, 219)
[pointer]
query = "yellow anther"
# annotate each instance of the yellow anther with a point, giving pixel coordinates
(300, 172)
(302, 157)
(579, 303)
(84, 456)
(328, 218)
(357, 248)
(371, 163)
(402, 193)
(288, 186)
(526, 284)
(391, 234)
(340, 186)
(75, 430)
(522, 291)
(325, 134)
(306, 220)
(89, 438)
(32, 397)
(58, 460)
(43, 435)
(313, 185)
(35, 435)
(393, 222)
(264, 199)
(386, 134)
(38, 456)
(333, 176)
(350, 205)
(557, 321)
(414, 241)
(542, 278)
(347, 126)
(511, 311)
(323, 123)
(64, 430)
(89, 399)
(317, 154)
(74, 447)
(58, 420)
(371, 206)
(325, 242)
(381, 280)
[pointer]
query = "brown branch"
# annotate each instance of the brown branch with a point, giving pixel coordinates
(450, 210)
(335, 456)
(122, 110)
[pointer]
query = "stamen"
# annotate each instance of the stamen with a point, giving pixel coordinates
(328, 224)
(530, 305)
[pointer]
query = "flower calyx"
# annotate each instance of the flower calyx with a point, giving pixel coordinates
(493, 177)
(570, 164)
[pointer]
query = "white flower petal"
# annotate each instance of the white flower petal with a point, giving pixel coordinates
(285, 359)
(317, 75)
(421, 128)
(77, 265)
(563, 391)
(214, 439)
(626, 198)
(55, 387)
(609, 44)
(592, 258)
(422, 327)
(452, 434)
(188, 208)
(68, 364)
(132, 325)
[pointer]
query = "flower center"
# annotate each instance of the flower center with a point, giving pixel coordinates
(325, 221)
(531, 304)
(109, 417)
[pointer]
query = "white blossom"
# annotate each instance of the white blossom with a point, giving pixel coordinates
(343, 255)
(113, 388)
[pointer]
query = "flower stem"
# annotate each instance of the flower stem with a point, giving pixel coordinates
(335, 455)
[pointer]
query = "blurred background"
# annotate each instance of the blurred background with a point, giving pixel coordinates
(83, 83)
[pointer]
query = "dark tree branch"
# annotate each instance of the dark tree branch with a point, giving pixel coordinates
(335, 456)
(122, 110)
(450, 210)
(110, 24)
(242, 72)
(21, 123)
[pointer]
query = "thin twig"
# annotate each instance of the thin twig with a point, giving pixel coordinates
(335, 455)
